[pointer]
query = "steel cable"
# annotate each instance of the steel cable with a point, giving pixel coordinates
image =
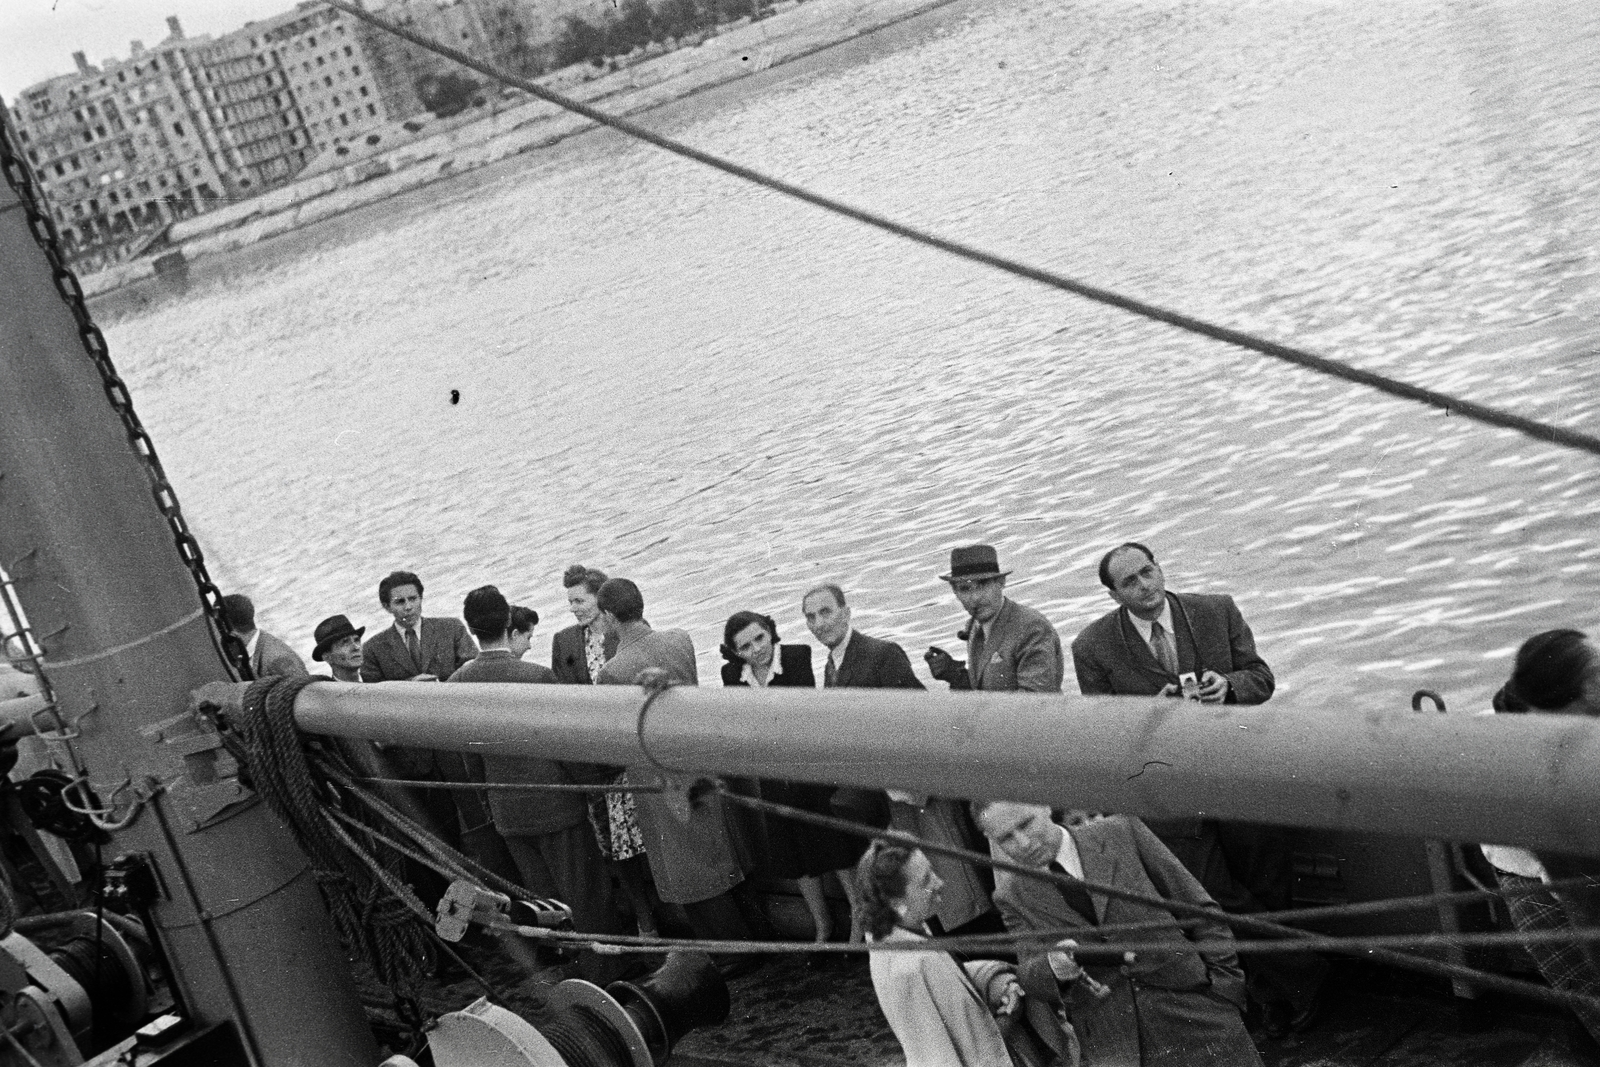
(1299, 357)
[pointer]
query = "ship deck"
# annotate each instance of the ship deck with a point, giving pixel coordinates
(786, 1015)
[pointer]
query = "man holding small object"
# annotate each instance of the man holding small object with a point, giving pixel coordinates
(1009, 647)
(1198, 646)
(1173, 1008)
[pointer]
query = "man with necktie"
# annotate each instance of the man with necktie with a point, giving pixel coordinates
(1178, 1007)
(859, 661)
(418, 649)
(1009, 647)
(1154, 643)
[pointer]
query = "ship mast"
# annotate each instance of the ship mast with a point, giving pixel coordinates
(127, 635)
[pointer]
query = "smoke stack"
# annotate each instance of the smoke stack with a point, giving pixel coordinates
(137, 47)
(175, 28)
(82, 61)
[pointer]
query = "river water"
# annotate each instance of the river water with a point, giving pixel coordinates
(728, 397)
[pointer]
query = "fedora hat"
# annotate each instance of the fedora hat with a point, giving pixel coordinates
(974, 561)
(330, 631)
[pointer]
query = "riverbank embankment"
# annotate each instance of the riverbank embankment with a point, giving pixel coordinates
(794, 30)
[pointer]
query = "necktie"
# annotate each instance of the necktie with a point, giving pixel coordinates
(830, 674)
(975, 657)
(411, 646)
(1161, 645)
(1075, 895)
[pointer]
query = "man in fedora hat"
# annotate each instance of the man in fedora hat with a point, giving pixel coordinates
(339, 646)
(1009, 647)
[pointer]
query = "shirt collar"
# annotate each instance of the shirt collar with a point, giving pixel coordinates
(748, 675)
(250, 645)
(401, 630)
(837, 654)
(1165, 619)
(1067, 855)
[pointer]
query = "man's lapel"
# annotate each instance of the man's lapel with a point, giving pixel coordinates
(844, 673)
(1099, 865)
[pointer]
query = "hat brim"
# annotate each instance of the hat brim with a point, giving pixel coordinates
(980, 576)
(323, 646)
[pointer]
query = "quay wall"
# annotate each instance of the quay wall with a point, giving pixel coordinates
(738, 51)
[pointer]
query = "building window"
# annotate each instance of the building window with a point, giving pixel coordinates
(335, 99)
(371, 110)
(327, 81)
(362, 90)
(349, 51)
(61, 172)
(344, 120)
(92, 111)
(177, 128)
(356, 70)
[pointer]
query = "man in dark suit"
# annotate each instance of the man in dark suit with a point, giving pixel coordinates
(421, 649)
(269, 655)
(1155, 644)
(547, 834)
(1009, 647)
(1153, 637)
(1177, 1008)
(858, 661)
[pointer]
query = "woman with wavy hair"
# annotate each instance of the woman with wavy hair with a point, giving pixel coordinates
(792, 849)
(944, 1013)
(576, 655)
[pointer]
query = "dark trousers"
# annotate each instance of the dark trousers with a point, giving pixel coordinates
(567, 866)
(1248, 868)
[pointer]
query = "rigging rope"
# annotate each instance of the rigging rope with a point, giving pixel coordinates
(1469, 409)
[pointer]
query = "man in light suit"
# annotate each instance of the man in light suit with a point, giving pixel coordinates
(858, 661)
(1177, 1008)
(1141, 649)
(1009, 646)
(421, 649)
(268, 655)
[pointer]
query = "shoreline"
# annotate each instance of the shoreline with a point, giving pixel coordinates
(734, 52)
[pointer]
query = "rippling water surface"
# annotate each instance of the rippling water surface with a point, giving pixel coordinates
(727, 396)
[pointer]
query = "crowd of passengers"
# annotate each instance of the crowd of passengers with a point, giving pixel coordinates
(625, 864)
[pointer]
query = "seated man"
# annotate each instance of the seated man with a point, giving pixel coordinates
(1178, 1008)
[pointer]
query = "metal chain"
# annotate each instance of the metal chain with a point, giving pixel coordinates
(49, 240)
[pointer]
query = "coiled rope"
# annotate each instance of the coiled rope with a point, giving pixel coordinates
(1452, 405)
(376, 917)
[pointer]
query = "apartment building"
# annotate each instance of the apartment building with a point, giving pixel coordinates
(328, 72)
(119, 150)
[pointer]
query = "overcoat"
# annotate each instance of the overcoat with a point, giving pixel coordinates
(691, 860)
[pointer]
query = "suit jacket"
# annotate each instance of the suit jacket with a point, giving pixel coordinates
(872, 663)
(1172, 1008)
(443, 644)
(570, 659)
(523, 814)
(1111, 657)
(1023, 651)
(795, 661)
(274, 657)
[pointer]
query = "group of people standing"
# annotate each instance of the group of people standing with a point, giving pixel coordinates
(619, 856)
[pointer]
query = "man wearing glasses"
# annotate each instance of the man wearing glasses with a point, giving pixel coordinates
(1009, 647)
